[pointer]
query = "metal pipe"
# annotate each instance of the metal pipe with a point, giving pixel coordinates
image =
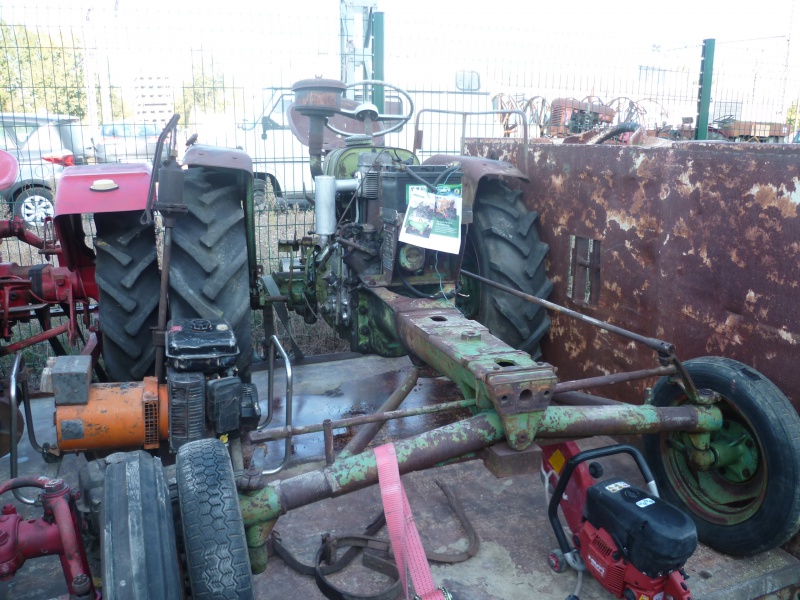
(277, 433)
(601, 380)
(588, 421)
(581, 399)
(330, 456)
(161, 327)
(19, 364)
(35, 339)
(359, 471)
(367, 433)
(287, 449)
(659, 346)
(357, 246)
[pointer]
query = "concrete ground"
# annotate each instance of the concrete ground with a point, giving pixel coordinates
(508, 514)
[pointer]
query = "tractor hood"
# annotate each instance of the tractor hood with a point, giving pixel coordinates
(102, 188)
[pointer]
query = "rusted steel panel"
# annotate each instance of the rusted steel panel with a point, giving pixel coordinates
(699, 244)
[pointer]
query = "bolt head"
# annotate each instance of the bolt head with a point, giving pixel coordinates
(54, 485)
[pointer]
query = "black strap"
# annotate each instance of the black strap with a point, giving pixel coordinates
(330, 546)
(369, 560)
(346, 559)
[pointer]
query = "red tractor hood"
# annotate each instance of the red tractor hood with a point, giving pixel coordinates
(102, 188)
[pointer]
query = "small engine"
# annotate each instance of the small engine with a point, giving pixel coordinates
(633, 542)
(201, 357)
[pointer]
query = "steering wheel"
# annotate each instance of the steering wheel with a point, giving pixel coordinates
(368, 112)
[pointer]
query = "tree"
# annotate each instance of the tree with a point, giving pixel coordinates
(205, 93)
(40, 74)
(792, 117)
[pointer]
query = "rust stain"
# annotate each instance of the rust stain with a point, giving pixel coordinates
(772, 196)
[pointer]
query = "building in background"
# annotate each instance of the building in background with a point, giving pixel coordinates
(153, 100)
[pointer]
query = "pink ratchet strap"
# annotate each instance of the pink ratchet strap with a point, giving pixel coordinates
(406, 544)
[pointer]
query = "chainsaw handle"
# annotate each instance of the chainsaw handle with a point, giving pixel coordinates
(566, 474)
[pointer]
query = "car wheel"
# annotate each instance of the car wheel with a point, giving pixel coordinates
(33, 205)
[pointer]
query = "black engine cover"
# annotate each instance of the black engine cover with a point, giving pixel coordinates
(204, 345)
(653, 535)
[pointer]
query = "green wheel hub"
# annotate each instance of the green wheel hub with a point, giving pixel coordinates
(733, 489)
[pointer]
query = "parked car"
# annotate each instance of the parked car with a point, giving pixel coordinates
(43, 145)
(127, 142)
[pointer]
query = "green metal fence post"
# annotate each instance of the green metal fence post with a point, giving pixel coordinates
(704, 89)
(378, 40)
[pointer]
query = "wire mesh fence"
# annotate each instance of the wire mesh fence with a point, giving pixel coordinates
(94, 82)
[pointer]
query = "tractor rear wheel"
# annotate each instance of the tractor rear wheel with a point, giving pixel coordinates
(213, 533)
(128, 278)
(503, 245)
(208, 275)
(140, 554)
(751, 503)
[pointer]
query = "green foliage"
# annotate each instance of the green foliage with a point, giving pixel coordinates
(40, 73)
(792, 116)
(205, 92)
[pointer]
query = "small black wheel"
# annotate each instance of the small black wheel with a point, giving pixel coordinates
(213, 534)
(751, 503)
(140, 556)
(34, 204)
(503, 245)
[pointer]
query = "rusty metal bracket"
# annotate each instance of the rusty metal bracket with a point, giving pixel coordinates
(484, 367)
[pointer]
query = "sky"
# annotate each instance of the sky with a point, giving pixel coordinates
(258, 43)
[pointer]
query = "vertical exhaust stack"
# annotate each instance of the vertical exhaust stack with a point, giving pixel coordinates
(325, 205)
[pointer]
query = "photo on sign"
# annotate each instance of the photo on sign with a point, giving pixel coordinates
(433, 221)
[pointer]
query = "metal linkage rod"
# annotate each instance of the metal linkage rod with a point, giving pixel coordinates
(279, 433)
(659, 346)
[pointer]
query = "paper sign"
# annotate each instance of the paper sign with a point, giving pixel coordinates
(433, 221)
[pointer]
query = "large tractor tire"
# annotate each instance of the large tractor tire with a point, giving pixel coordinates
(503, 245)
(140, 554)
(208, 275)
(128, 278)
(751, 504)
(213, 533)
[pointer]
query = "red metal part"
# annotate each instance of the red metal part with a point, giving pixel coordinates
(56, 532)
(696, 242)
(30, 291)
(8, 169)
(554, 458)
(616, 574)
(75, 195)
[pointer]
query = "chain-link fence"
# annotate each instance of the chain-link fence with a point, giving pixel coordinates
(94, 82)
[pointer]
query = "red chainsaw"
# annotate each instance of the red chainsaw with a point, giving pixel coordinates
(631, 541)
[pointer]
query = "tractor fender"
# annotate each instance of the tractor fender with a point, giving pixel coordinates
(474, 169)
(198, 155)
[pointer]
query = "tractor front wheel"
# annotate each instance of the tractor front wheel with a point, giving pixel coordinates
(749, 502)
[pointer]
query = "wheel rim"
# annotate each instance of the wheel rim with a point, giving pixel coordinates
(35, 208)
(726, 495)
